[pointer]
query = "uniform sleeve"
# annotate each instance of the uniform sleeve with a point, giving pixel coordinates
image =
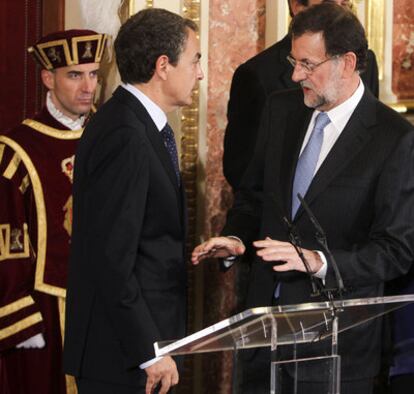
(20, 317)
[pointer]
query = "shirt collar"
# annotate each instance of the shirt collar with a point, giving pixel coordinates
(155, 112)
(61, 118)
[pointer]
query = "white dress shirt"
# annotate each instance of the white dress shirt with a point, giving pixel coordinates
(339, 117)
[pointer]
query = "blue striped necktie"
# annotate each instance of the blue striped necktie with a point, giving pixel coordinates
(305, 169)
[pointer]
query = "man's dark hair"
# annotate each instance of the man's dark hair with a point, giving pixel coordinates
(341, 30)
(144, 37)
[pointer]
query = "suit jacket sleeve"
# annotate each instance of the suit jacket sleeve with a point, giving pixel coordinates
(247, 99)
(114, 204)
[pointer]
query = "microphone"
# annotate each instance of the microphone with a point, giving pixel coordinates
(320, 236)
(296, 242)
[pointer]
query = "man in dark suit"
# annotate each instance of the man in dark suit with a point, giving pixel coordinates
(252, 83)
(127, 277)
(351, 157)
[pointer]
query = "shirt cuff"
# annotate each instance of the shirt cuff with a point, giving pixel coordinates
(150, 362)
(321, 274)
(229, 261)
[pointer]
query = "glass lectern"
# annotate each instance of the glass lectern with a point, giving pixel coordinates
(289, 324)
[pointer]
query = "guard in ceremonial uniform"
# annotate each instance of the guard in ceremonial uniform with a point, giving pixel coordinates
(36, 170)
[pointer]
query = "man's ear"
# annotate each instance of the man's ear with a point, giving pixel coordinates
(48, 79)
(350, 61)
(161, 66)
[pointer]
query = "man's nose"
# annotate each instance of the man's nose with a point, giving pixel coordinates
(89, 84)
(298, 73)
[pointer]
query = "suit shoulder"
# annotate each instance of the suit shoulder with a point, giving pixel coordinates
(390, 117)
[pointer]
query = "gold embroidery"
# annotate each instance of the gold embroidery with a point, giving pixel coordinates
(21, 325)
(54, 55)
(67, 166)
(100, 39)
(67, 222)
(70, 381)
(16, 240)
(12, 167)
(41, 48)
(40, 285)
(1, 151)
(88, 50)
(70, 385)
(25, 184)
(16, 306)
(11, 246)
(52, 132)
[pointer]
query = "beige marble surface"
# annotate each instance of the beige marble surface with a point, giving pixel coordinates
(403, 50)
(236, 33)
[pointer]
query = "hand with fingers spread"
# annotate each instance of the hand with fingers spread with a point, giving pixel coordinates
(277, 251)
(217, 247)
(163, 372)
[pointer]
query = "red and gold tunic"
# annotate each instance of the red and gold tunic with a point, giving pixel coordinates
(36, 169)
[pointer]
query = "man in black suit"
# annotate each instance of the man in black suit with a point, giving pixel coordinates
(252, 83)
(351, 157)
(127, 279)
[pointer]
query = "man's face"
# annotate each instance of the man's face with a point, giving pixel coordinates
(322, 86)
(72, 88)
(183, 77)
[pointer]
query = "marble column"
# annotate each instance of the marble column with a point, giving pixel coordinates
(236, 33)
(403, 50)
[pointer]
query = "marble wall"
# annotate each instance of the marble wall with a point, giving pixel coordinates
(403, 50)
(236, 33)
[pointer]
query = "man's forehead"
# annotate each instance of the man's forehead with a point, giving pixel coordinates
(308, 43)
(87, 67)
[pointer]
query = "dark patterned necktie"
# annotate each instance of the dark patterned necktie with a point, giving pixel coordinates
(169, 142)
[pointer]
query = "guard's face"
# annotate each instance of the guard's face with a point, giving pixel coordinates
(72, 88)
(183, 77)
(321, 86)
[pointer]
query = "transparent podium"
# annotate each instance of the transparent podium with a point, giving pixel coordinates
(293, 325)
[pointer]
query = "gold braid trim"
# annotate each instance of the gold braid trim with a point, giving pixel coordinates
(52, 132)
(25, 184)
(16, 306)
(70, 380)
(12, 167)
(1, 151)
(40, 285)
(21, 325)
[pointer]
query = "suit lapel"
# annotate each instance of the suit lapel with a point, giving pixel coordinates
(352, 139)
(152, 133)
(295, 133)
